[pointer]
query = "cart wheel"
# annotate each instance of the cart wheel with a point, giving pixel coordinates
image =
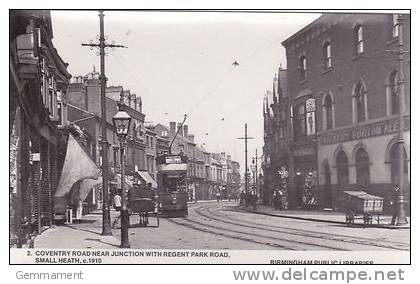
(367, 219)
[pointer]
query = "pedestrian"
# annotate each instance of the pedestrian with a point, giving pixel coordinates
(394, 203)
(254, 200)
(117, 202)
(218, 196)
(242, 199)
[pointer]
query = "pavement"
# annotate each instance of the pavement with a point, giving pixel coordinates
(328, 216)
(84, 234)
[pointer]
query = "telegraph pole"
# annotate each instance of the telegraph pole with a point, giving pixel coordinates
(101, 45)
(246, 138)
(256, 173)
(401, 216)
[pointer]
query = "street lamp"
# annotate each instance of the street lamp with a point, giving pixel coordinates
(121, 122)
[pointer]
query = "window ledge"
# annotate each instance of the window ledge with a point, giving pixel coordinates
(358, 56)
(302, 81)
(327, 70)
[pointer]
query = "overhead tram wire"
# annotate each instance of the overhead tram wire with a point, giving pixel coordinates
(212, 89)
(231, 69)
(140, 85)
(308, 67)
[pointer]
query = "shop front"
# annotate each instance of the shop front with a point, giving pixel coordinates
(363, 157)
(304, 191)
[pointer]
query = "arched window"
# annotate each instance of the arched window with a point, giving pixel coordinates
(362, 168)
(359, 42)
(394, 157)
(393, 88)
(342, 164)
(327, 55)
(328, 112)
(359, 103)
(302, 67)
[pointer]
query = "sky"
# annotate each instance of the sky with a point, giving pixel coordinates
(181, 63)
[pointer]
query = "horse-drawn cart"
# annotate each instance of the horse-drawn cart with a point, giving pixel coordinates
(364, 206)
(143, 203)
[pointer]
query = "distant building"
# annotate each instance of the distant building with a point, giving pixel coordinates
(276, 134)
(151, 151)
(207, 172)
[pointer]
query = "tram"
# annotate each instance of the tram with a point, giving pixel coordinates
(172, 184)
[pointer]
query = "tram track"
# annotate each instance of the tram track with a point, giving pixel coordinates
(285, 243)
(205, 230)
(361, 241)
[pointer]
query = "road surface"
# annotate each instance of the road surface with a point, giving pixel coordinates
(223, 225)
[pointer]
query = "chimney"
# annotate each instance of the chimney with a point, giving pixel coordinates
(180, 131)
(186, 131)
(190, 137)
(172, 127)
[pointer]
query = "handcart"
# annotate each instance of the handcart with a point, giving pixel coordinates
(143, 203)
(360, 205)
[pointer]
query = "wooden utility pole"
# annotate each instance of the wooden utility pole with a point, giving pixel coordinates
(401, 216)
(256, 158)
(101, 45)
(246, 138)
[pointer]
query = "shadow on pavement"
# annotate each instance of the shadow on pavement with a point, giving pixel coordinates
(84, 221)
(102, 242)
(85, 230)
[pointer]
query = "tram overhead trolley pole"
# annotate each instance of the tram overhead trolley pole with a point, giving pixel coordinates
(246, 138)
(101, 45)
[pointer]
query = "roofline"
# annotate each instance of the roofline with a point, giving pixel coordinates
(302, 30)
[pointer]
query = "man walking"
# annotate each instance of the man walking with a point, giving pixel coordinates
(117, 202)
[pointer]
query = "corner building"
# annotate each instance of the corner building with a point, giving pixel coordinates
(343, 76)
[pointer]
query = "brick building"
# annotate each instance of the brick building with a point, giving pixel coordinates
(84, 110)
(342, 85)
(38, 81)
(151, 151)
(276, 128)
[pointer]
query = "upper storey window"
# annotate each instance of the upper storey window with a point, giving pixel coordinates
(302, 67)
(358, 33)
(395, 30)
(359, 103)
(327, 55)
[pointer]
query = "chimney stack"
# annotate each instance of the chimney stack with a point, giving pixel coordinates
(172, 127)
(186, 131)
(180, 129)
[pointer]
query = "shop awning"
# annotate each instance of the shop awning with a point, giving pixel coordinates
(147, 178)
(128, 182)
